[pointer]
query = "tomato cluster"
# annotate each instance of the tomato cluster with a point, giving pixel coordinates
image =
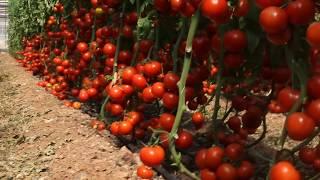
(201, 92)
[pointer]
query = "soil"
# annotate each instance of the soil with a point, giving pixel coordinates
(40, 138)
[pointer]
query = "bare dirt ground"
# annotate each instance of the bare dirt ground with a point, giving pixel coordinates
(42, 139)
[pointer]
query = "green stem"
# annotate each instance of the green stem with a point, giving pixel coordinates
(218, 91)
(181, 85)
(176, 46)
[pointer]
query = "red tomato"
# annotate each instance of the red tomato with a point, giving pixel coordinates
(234, 151)
(206, 174)
(114, 128)
(152, 68)
(316, 164)
(281, 38)
(267, 3)
(82, 47)
(245, 170)
(170, 100)
(313, 110)
(128, 73)
(176, 5)
(134, 117)
(284, 170)
(273, 20)
(214, 8)
(242, 8)
(158, 89)
(301, 12)
(235, 40)
(226, 171)
(214, 157)
(116, 93)
(109, 49)
(307, 155)
(147, 95)
(299, 126)
(125, 128)
(166, 121)
(198, 118)
(152, 155)
(170, 81)
(116, 109)
(234, 123)
(313, 86)
(313, 37)
(83, 95)
(139, 81)
(144, 172)
(287, 97)
(184, 140)
(200, 158)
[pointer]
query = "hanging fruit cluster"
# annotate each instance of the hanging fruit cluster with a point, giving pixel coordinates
(192, 80)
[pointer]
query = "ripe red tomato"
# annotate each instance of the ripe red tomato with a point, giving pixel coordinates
(313, 37)
(158, 89)
(128, 73)
(266, 3)
(273, 19)
(176, 5)
(185, 140)
(170, 100)
(214, 8)
(109, 49)
(114, 128)
(139, 81)
(226, 171)
(125, 128)
(299, 126)
(92, 92)
(242, 8)
(313, 86)
(287, 97)
(82, 47)
(284, 170)
(206, 174)
(200, 158)
(234, 151)
(307, 155)
(144, 172)
(125, 57)
(245, 170)
(198, 118)
(152, 68)
(235, 40)
(152, 155)
(166, 121)
(316, 164)
(127, 89)
(301, 12)
(116, 109)
(83, 95)
(147, 95)
(313, 110)
(116, 93)
(234, 123)
(170, 81)
(214, 157)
